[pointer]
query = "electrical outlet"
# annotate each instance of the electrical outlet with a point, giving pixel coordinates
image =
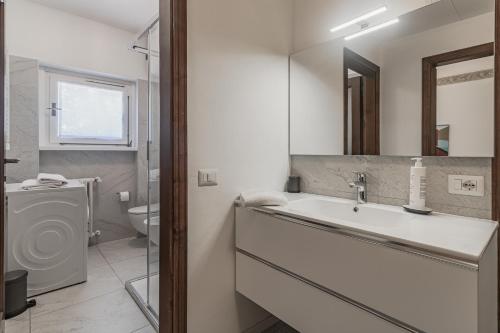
(207, 177)
(466, 185)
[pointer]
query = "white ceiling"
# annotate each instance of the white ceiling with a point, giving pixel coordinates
(130, 15)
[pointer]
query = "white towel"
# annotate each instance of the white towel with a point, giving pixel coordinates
(34, 184)
(51, 179)
(263, 198)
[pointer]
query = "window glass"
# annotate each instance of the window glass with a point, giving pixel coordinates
(89, 112)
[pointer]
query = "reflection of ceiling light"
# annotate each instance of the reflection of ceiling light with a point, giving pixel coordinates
(372, 29)
(359, 19)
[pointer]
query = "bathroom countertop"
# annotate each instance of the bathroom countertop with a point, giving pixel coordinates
(458, 237)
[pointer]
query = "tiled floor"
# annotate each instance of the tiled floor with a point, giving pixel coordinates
(101, 305)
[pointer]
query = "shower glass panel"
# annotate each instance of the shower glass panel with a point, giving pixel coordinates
(153, 169)
(145, 290)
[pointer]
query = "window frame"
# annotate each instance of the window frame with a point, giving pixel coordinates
(48, 128)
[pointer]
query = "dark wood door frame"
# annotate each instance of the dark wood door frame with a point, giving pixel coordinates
(369, 71)
(173, 166)
(355, 85)
(429, 88)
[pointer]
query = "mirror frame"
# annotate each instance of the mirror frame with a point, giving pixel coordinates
(429, 88)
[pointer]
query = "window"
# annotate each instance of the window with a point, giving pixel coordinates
(85, 111)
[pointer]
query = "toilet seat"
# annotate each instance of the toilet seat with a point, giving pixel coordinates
(141, 210)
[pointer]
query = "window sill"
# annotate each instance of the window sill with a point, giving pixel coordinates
(86, 148)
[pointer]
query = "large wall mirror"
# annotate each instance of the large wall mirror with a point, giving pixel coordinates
(419, 82)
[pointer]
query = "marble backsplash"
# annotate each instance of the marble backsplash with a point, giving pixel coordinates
(389, 180)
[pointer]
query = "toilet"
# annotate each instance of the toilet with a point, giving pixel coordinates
(138, 215)
(154, 230)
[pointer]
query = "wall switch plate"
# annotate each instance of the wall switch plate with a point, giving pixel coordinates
(207, 177)
(466, 185)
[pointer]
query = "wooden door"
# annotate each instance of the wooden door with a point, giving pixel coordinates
(355, 84)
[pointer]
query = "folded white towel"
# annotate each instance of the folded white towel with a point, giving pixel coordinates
(34, 184)
(263, 198)
(52, 179)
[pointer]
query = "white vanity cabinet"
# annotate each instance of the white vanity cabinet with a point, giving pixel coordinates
(320, 278)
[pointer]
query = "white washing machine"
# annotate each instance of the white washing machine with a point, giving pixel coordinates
(47, 235)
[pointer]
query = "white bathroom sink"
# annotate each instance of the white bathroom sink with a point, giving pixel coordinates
(461, 237)
(362, 215)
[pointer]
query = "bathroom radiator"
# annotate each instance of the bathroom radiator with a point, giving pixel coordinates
(90, 183)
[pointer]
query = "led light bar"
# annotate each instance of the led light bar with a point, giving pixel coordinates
(359, 19)
(372, 29)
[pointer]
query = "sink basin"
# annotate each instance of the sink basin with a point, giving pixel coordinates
(364, 215)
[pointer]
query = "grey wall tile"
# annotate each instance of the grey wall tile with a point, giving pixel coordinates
(142, 162)
(389, 180)
(118, 172)
(23, 97)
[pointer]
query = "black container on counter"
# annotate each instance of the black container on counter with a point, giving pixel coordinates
(293, 185)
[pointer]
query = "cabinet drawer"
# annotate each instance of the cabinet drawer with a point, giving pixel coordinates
(431, 295)
(302, 306)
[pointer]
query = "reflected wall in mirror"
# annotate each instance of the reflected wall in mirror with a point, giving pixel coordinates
(458, 102)
(364, 91)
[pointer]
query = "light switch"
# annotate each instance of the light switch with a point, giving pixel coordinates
(466, 185)
(207, 177)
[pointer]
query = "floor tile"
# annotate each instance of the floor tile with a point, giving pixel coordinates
(100, 281)
(19, 324)
(111, 313)
(123, 249)
(147, 329)
(130, 269)
(95, 258)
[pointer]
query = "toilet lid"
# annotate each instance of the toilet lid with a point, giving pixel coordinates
(155, 208)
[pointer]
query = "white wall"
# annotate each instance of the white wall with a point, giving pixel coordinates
(468, 107)
(317, 101)
(401, 79)
(238, 123)
(58, 38)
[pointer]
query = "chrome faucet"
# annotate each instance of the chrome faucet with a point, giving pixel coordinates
(360, 184)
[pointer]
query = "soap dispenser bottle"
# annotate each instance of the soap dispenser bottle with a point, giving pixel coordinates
(418, 185)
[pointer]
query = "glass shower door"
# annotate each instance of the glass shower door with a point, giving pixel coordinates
(145, 290)
(153, 171)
